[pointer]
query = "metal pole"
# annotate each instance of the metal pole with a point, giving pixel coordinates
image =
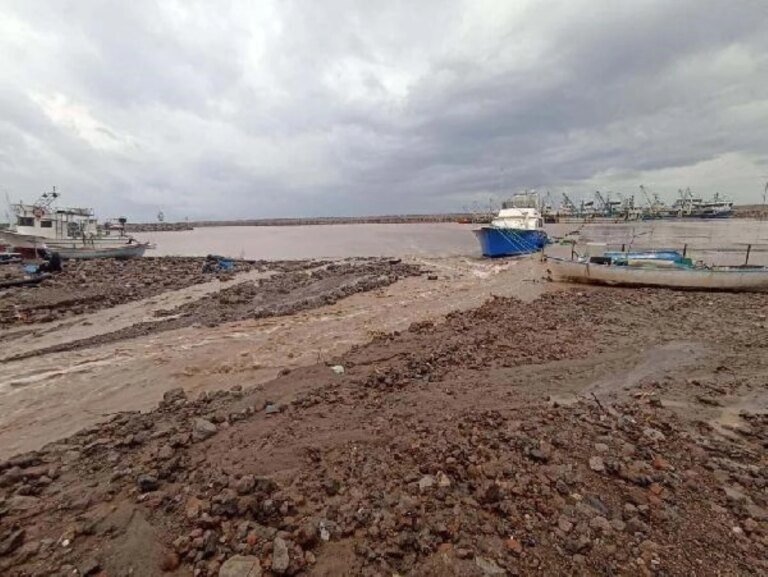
(685, 250)
(749, 249)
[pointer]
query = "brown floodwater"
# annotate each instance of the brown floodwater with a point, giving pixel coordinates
(716, 242)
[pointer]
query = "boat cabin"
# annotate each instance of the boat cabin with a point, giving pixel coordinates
(518, 218)
(54, 223)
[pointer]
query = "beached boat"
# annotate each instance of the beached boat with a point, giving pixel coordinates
(664, 273)
(121, 252)
(72, 232)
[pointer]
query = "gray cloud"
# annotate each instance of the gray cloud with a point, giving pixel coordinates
(237, 108)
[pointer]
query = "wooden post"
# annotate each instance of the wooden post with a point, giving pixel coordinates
(685, 250)
(749, 249)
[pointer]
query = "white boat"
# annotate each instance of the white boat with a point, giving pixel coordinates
(664, 274)
(72, 232)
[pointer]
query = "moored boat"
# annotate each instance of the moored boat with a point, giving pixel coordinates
(514, 231)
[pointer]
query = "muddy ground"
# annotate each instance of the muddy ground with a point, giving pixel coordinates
(605, 432)
(91, 285)
(287, 288)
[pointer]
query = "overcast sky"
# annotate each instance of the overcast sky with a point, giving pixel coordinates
(318, 107)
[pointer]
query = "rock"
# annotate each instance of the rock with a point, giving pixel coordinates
(539, 455)
(750, 525)
(654, 434)
(577, 544)
(272, 409)
(600, 524)
(601, 447)
(331, 486)
(596, 464)
(170, 561)
(443, 480)
(514, 546)
(489, 567)
(618, 525)
(193, 508)
(324, 530)
(307, 534)
(147, 483)
(636, 525)
(338, 369)
(597, 504)
(165, 452)
(426, 482)
(264, 485)
(12, 542)
(203, 429)
(280, 558)
(564, 524)
(245, 485)
(241, 566)
(705, 400)
(173, 396)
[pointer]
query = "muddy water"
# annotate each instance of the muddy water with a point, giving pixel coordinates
(332, 241)
(718, 242)
(51, 396)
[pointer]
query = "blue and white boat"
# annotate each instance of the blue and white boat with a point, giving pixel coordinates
(514, 231)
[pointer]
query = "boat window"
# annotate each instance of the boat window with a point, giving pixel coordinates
(26, 221)
(46, 224)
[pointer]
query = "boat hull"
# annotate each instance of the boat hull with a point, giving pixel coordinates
(496, 242)
(733, 279)
(124, 251)
(25, 244)
(102, 247)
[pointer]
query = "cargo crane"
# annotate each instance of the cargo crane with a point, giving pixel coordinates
(656, 207)
(606, 206)
(569, 206)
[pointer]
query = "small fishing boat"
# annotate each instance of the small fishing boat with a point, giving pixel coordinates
(72, 232)
(675, 272)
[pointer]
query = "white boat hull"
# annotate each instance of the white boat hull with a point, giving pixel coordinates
(100, 247)
(122, 251)
(714, 279)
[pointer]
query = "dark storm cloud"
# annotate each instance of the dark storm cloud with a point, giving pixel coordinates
(244, 109)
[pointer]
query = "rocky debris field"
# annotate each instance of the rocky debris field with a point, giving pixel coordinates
(447, 449)
(295, 286)
(89, 285)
